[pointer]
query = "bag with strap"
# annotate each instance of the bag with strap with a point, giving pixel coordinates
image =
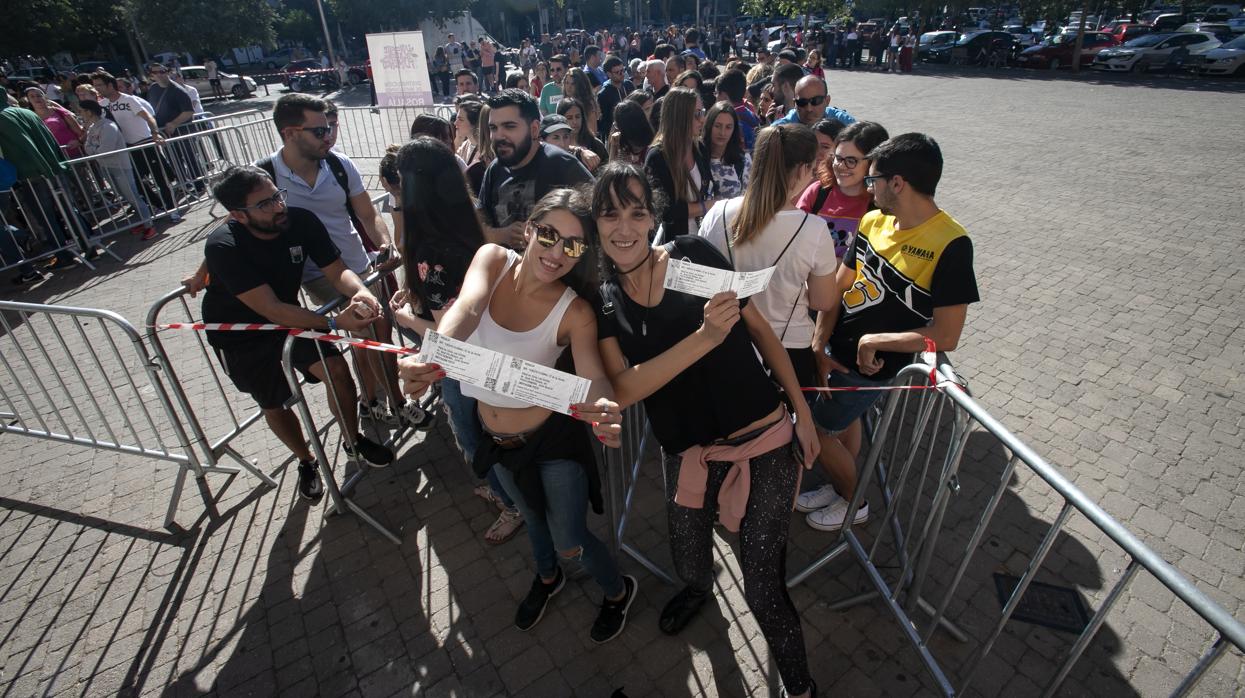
(343, 181)
(730, 251)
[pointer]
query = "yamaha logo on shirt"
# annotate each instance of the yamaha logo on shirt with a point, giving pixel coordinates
(296, 254)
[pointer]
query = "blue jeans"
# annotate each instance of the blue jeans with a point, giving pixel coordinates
(564, 524)
(465, 424)
(835, 412)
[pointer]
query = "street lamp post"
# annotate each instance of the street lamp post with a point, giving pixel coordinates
(328, 40)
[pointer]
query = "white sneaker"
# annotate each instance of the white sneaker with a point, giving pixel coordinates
(376, 413)
(819, 498)
(831, 518)
(415, 416)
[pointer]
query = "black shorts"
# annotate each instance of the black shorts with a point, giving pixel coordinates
(255, 368)
(214, 83)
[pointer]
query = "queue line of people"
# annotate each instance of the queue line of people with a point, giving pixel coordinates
(563, 264)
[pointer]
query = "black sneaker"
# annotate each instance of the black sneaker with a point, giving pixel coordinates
(532, 607)
(368, 451)
(681, 609)
(29, 278)
(613, 616)
(309, 486)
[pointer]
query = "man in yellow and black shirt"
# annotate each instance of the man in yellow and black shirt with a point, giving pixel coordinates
(908, 276)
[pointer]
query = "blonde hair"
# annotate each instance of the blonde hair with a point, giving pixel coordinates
(484, 142)
(674, 137)
(779, 151)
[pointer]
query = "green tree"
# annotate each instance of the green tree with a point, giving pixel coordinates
(365, 16)
(793, 8)
(300, 27)
(42, 27)
(206, 26)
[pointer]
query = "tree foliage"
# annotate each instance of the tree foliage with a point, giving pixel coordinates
(42, 27)
(205, 26)
(363, 16)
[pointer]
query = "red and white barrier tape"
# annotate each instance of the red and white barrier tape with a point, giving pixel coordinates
(930, 354)
(292, 331)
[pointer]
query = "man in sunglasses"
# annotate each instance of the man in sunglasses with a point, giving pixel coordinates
(812, 104)
(253, 266)
(551, 93)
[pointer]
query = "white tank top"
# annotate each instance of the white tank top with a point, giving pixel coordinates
(538, 345)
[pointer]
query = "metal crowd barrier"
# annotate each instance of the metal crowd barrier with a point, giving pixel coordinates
(365, 132)
(922, 437)
(341, 496)
(916, 441)
(84, 377)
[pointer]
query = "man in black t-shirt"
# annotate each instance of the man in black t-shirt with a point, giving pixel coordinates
(525, 169)
(252, 272)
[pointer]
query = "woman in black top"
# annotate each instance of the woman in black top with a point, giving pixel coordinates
(726, 435)
(677, 166)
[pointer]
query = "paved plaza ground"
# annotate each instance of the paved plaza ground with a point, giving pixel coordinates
(1107, 219)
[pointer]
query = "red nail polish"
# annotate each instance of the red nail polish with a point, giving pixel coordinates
(575, 414)
(601, 438)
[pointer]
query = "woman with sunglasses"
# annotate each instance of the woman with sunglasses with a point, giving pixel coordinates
(677, 165)
(839, 195)
(526, 305)
(726, 438)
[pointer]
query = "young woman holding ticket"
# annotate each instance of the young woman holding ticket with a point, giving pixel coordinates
(763, 228)
(726, 437)
(525, 305)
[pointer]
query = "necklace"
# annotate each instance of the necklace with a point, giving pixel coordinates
(644, 319)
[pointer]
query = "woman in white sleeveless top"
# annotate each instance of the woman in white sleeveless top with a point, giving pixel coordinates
(526, 305)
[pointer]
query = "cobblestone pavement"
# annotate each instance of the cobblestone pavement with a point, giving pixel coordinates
(1094, 207)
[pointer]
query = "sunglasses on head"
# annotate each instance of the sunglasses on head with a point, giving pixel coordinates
(815, 101)
(548, 236)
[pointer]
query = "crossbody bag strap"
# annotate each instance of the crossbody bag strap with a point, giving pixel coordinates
(799, 291)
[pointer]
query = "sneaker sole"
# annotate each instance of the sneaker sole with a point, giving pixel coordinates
(807, 510)
(823, 527)
(540, 615)
(360, 460)
(635, 586)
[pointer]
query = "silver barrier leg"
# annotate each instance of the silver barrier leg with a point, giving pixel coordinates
(630, 488)
(341, 502)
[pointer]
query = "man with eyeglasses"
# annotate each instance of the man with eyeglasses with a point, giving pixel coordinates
(812, 104)
(615, 90)
(907, 277)
(551, 93)
(253, 265)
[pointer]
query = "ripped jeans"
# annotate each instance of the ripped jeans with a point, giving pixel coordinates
(564, 525)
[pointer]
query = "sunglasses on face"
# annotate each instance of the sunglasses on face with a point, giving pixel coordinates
(548, 236)
(320, 132)
(815, 101)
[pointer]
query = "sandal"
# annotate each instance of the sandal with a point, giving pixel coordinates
(485, 492)
(503, 529)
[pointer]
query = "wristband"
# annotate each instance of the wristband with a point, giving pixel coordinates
(332, 324)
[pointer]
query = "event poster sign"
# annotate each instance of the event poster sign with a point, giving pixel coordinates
(400, 69)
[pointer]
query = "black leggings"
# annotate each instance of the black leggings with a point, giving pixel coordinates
(762, 547)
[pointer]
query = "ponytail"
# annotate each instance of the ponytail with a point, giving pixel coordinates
(779, 151)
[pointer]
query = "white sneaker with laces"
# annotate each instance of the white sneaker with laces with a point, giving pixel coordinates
(819, 498)
(415, 416)
(831, 518)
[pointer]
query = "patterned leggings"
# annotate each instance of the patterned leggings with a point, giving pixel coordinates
(762, 546)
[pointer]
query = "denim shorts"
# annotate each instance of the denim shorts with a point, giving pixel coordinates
(835, 412)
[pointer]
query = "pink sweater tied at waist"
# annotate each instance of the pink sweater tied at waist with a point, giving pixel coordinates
(733, 497)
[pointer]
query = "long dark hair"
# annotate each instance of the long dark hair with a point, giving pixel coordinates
(734, 153)
(613, 186)
(634, 132)
(583, 278)
(583, 136)
(437, 210)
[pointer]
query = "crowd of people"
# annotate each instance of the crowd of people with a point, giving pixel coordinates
(542, 222)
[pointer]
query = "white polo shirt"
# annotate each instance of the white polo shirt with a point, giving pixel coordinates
(326, 199)
(125, 111)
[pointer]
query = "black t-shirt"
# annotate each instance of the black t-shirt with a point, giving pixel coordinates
(723, 392)
(508, 195)
(237, 262)
(169, 102)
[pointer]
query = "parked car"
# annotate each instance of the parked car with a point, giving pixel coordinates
(1057, 51)
(932, 40)
(1168, 22)
(281, 57)
(235, 85)
(87, 67)
(1221, 30)
(1152, 50)
(1237, 25)
(971, 45)
(1228, 59)
(1023, 34)
(1124, 31)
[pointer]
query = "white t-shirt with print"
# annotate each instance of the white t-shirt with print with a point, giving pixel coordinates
(125, 111)
(784, 303)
